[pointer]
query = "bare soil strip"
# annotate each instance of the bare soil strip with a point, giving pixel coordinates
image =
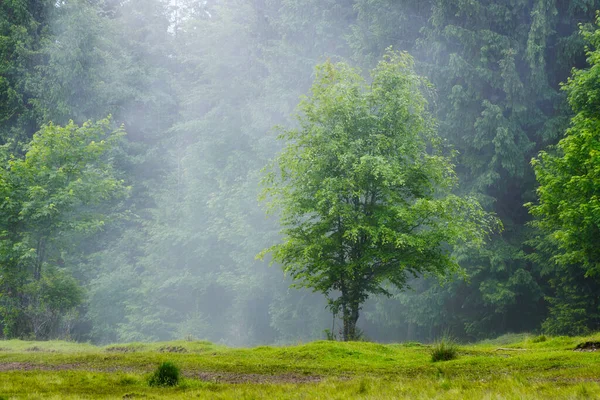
(20, 366)
(232, 377)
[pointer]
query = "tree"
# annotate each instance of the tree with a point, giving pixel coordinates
(60, 192)
(568, 212)
(364, 189)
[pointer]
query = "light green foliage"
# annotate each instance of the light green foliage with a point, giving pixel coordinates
(364, 189)
(569, 208)
(568, 211)
(61, 188)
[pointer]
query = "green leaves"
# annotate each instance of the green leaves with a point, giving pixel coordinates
(568, 212)
(64, 185)
(364, 189)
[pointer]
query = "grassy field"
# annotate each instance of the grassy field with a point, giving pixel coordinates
(511, 367)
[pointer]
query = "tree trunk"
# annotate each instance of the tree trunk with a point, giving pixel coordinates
(41, 254)
(350, 318)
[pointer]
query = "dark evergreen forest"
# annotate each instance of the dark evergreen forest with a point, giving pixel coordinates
(134, 133)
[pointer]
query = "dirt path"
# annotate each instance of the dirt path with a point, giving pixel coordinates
(232, 377)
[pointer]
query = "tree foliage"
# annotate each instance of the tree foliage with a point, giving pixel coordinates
(364, 189)
(568, 212)
(60, 188)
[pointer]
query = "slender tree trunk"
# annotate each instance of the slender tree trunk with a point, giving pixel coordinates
(41, 254)
(345, 333)
(350, 313)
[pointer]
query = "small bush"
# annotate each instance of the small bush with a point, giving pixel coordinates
(539, 339)
(444, 350)
(167, 374)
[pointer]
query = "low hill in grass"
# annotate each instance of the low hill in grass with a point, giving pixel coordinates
(512, 366)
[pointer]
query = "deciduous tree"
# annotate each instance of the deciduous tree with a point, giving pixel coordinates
(364, 189)
(59, 190)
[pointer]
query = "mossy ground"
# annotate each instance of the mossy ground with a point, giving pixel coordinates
(513, 367)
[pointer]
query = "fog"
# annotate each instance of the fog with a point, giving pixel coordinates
(200, 87)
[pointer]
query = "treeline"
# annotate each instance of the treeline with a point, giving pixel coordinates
(153, 235)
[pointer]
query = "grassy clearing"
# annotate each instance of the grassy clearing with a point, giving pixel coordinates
(512, 367)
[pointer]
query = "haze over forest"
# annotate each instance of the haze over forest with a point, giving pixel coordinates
(194, 90)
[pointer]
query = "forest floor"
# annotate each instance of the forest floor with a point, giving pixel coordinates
(510, 367)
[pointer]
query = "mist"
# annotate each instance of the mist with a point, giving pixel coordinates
(200, 88)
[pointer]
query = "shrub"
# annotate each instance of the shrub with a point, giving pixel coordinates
(167, 374)
(539, 339)
(444, 350)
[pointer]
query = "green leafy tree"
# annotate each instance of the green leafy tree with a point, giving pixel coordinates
(568, 212)
(365, 190)
(63, 188)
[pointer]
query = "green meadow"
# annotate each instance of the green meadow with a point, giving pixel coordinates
(510, 367)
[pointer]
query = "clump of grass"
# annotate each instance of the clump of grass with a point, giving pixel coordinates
(539, 339)
(124, 381)
(444, 349)
(363, 386)
(167, 374)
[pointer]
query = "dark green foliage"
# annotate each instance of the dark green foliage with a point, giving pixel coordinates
(167, 374)
(24, 28)
(539, 339)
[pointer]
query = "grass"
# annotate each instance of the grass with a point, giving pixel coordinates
(167, 374)
(444, 350)
(525, 367)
